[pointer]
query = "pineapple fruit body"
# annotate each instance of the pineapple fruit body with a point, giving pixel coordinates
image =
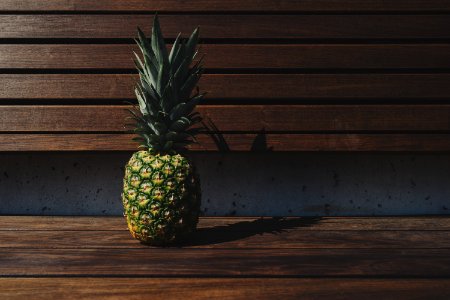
(161, 197)
(161, 193)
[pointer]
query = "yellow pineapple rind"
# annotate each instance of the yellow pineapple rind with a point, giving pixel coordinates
(161, 197)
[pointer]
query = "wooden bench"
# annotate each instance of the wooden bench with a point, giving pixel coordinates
(281, 75)
(353, 76)
(229, 258)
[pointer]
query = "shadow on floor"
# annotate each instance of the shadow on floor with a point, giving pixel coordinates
(245, 229)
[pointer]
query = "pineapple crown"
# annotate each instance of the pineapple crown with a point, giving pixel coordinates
(164, 118)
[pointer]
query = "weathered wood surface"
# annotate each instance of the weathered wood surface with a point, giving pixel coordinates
(223, 288)
(234, 86)
(235, 56)
(75, 52)
(240, 118)
(285, 233)
(234, 142)
(227, 6)
(225, 262)
(111, 223)
(228, 247)
(343, 258)
(258, 234)
(227, 26)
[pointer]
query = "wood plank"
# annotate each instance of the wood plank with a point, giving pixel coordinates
(229, 26)
(229, 288)
(235, 142)
(61, 86)
(234, 86)
(67, 142)
(287, 234)
(226, 262)
(117, 223)
(244, 118)
(229, 6)
(228, 56)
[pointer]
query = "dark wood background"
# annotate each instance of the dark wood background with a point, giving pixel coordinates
(323, 75)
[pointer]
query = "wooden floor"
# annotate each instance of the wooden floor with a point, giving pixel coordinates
(229, 258)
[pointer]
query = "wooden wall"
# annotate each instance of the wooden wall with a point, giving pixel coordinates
(323, 75)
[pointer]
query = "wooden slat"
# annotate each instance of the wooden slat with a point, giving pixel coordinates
(229, 288)
(235, 142)
(59, 86)
(227, 56)
(234, 86)
(114, 223)
(68, 142)
(287, 234)
(247, 118)
(229, 5)
(226, 262)
(229, 26)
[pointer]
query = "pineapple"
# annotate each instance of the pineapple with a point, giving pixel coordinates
(161, 189)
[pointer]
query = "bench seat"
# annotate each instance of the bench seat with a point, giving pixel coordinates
(237, 257)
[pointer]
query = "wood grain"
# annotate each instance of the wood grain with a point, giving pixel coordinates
(229, 56)
(229, 26)
(117, 223)
(230, 5)
(226, 262)
(223, 288)
(243, 118)
(234, 86)
(236, 142)
(342, 258)
(261, 234)
(352, 41)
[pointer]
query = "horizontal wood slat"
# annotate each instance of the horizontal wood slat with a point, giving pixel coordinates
(226, 262)
(290, 127)
(233, 86)
(230, 288)
(116, 223)
(248, 258)
(228, 56)
(219, 5)
(250, 235)
(235, 142)
(230, 26)
(246, 118)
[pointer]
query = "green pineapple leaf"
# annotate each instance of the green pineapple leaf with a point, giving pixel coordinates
(164, 92)
(158, 44)
(175, 49)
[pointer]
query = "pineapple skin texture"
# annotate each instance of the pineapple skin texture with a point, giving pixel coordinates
(161, 198)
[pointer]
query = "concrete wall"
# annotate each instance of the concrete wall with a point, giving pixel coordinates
(237, 183)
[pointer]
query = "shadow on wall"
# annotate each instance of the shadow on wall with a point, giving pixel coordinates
(259, 144)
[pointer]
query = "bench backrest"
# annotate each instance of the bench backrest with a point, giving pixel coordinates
(281, 75)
